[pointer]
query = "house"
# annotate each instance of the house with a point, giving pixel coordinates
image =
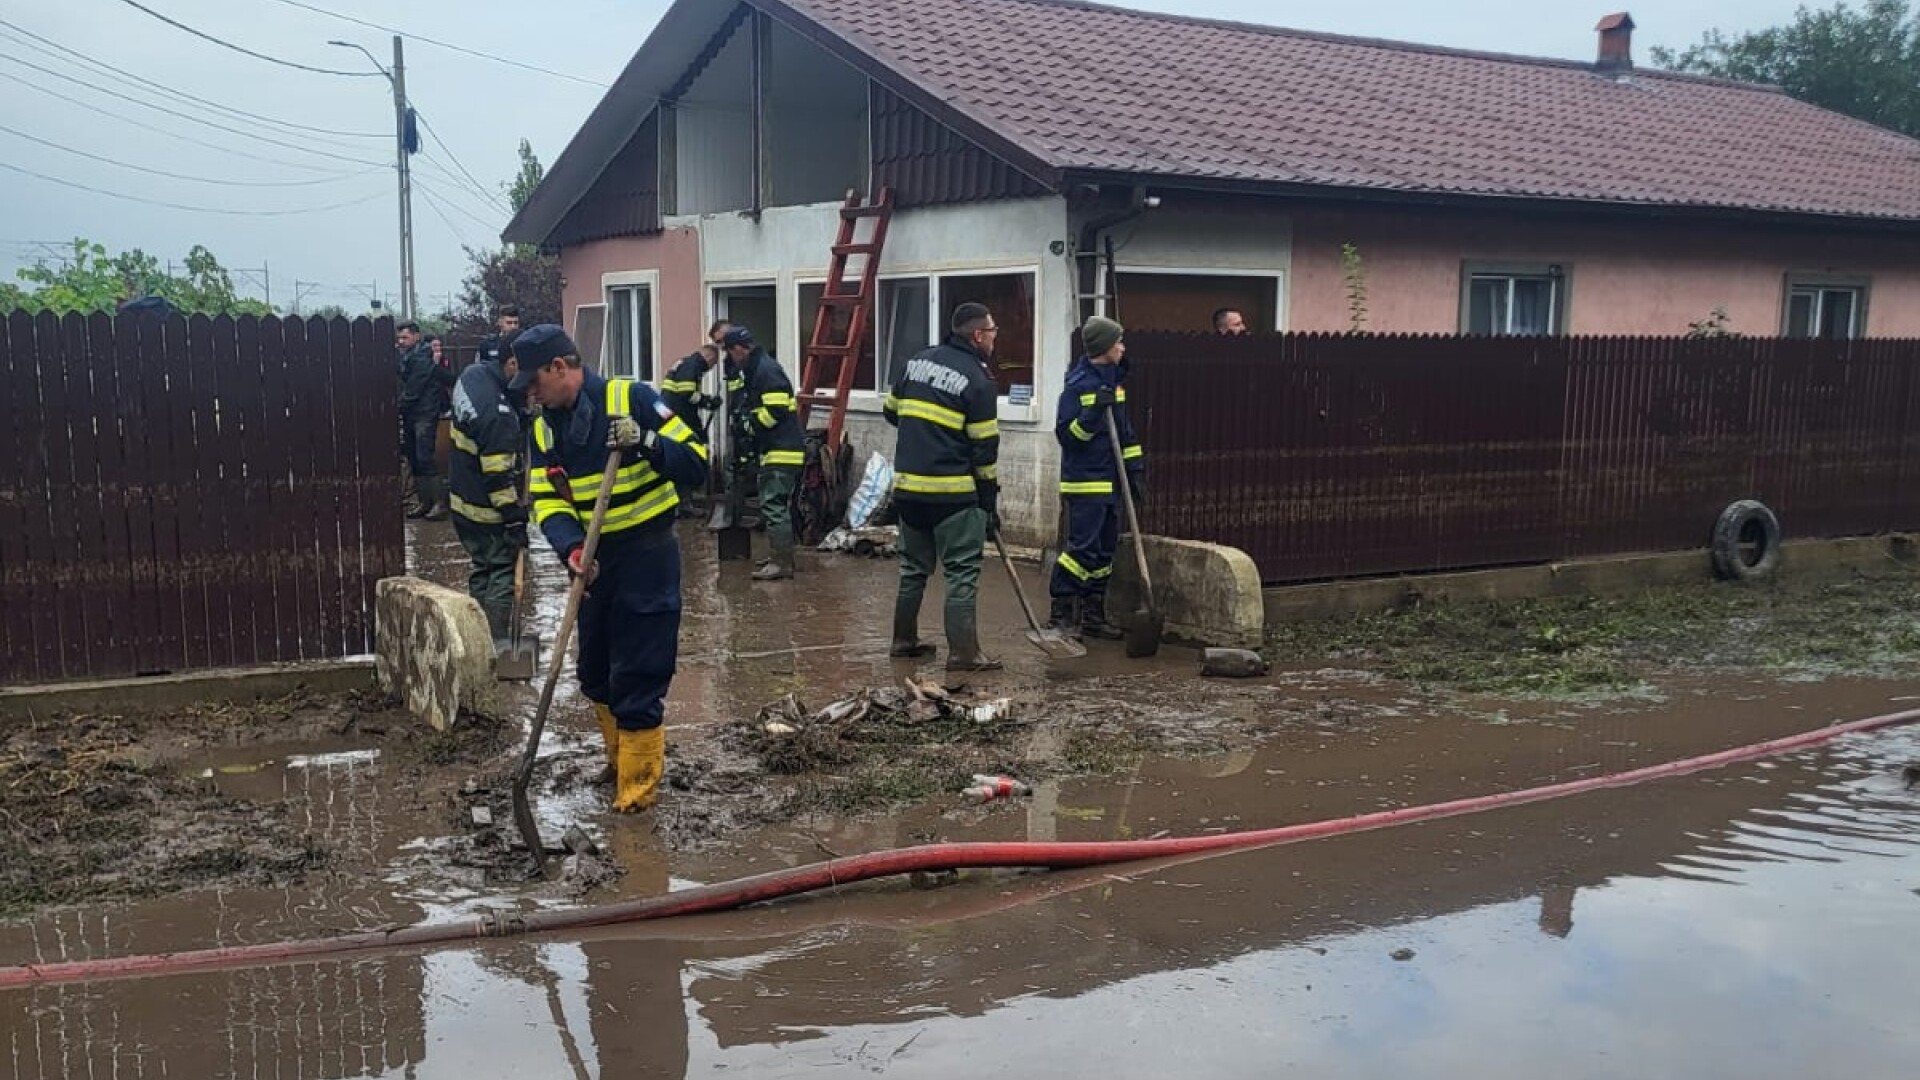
(1224, 165)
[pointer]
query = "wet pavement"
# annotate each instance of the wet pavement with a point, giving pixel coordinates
(1745, 922)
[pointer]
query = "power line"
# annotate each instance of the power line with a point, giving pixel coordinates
(194, 209)
(177, 135)
(183, 176)
(459, 186)
(433, 204)
(443, 44)
(190, 118)
(476, 218)
(242, 49)
(442, 143)
(124, 75)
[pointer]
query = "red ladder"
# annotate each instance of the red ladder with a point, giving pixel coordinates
(840, 360)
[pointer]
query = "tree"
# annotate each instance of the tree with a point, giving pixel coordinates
(531, 173)
(90, 280)
(519, 274)
(1858, 62)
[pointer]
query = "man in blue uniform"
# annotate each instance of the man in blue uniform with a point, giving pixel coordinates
(484, 482)
(760, 402)
(1095, 392)
(630, 620)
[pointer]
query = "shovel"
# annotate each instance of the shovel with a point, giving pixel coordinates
(1144, 628)
(556, 658)
(734, 539)
(1045, 638)
(522, 656)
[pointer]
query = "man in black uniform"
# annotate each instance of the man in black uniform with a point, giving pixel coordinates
(947, 483)
(484, 481)
(762, 412)
(424, 385)
(506, 324)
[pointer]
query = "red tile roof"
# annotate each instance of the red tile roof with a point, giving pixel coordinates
(1086, 87)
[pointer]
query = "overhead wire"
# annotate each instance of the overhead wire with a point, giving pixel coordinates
(455, 158)
(127, 76)
(444, 44)
(183, 176)
(459, 185)
(204, 36)
(426, 186)
(171, 112)
(183, 206)
(434, 205)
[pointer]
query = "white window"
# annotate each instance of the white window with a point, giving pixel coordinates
(913, 313)
(1514, 301)
(629, 352)
(904, 323)
(590, 333)
(1825, 310)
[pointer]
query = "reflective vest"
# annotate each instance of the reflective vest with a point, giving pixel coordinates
(575, 441)
(1086, 453)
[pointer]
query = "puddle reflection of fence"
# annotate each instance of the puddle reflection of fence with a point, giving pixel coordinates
(328, 1021)
(342, 800)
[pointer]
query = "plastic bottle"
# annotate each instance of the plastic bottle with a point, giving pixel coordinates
(989, 788)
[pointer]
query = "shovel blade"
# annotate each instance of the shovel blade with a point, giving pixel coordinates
(736, 543)
(1056, 645)
(1143, 633)
(519, 662)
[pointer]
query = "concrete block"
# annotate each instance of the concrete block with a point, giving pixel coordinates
(1209, 594)
(433, 651)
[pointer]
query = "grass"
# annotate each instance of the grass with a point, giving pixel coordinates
(1585, 646)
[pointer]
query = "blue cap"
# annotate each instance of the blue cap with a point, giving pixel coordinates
(535, 348)
(737, 335)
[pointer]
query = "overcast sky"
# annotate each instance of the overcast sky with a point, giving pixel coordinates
(479, 107)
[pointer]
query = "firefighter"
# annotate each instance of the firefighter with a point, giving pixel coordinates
(424, 383)
(760, 403)
(629, 622)
(1095, 390)
(684, 392)
(946, 483)
(484, 482)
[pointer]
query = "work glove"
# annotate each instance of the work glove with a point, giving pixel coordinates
(516, 532)
(989, 496)
(1137, 483)
(574, 568)
(624, 433)
(1105, 398)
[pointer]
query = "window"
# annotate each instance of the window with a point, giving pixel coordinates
(1182, 300)
(1504, 302)
(809, 308)
(629, 352)
(1010, 298)
(1832, 311)
(590, 332)
(903, 323)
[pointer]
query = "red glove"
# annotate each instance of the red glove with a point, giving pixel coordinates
(574, 559)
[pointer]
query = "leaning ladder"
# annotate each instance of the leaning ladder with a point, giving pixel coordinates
(826, 376)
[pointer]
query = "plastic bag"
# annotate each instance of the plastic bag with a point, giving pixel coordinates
(875, 490)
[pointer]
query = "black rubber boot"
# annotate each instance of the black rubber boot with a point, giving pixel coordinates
(963, 642)
(1064, 616)
(1093, 619)
(906, 630)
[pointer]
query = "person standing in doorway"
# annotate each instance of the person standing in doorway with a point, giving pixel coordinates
(762, 412)
(483, 480)
(684, 391)
(630, 620)
(424, 388)
(1095, 396)
(946, 483)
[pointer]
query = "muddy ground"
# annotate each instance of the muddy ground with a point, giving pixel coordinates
(125, 806)
(121, 806)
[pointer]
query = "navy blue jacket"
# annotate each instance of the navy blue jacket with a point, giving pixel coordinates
(575, 440)
(1086, 453)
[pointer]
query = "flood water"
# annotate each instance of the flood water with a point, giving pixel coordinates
(1749, 922)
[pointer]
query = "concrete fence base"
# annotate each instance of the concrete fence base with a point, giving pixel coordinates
(1209, 594)
(433, 651)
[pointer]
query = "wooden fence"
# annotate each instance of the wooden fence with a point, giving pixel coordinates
(1337, 456)
(192, 493)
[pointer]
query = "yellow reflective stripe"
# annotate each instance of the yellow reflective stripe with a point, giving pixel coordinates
(675, 386)
(940, 415)
(776, 399)
(503, 497)
(1103, 572)
(766, 418)
(543, 435)
(932, 485)
(1079, 432)
(539, 484)
(1086, 487)
(619, 398)
(1072, 566)
(1119, 395)
(987, 472)
(496, 463)
(784, 457)
(546, 508)
(1132, 452)
(985, 429)
(736, 384)
(463, 443)
(479, 514)
(677, 430)
(641, 510)
(892, 404)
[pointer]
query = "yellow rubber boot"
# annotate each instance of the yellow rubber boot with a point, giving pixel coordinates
(609, 734)
(643, 757)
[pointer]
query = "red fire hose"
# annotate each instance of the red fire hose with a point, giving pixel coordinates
(761, 887)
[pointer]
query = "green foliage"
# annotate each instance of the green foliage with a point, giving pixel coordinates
(1355, 272)
(1858, 62)
(531, 173)
(519, 274)
(93, 280)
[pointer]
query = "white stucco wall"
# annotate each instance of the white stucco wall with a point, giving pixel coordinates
(789, 245)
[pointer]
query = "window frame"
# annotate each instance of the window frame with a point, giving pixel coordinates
(870, 401)
(1559, 273)
(1861, 285)
(632, 279)
(1281, 314)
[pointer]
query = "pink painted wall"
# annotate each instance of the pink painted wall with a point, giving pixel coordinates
(675, 253)
(1626, 277)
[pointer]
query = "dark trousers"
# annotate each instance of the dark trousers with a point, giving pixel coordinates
(419, 436)
(936, 536)
(777, 485)
(1086, 564)
(630, 627)
(490, 579)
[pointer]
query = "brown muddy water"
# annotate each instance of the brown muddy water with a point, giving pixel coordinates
(1750, 922)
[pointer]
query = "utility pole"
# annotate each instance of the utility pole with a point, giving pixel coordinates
(300, 291)
(403, 150)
